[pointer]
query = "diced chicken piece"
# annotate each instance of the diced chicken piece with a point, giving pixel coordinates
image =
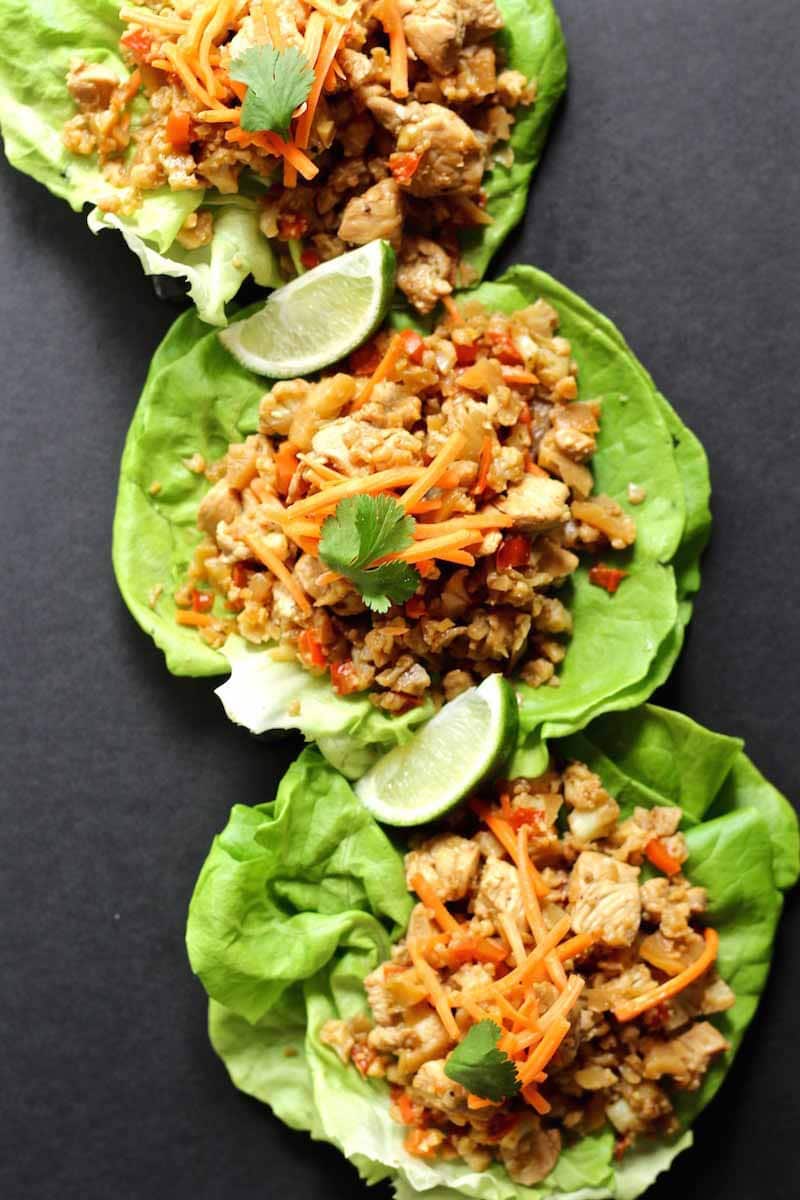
(536, 504)
(447, 862)
(483, 19)
(432, 1041)
(594, 1078)
(277, 408)
(530, 1151)
(376, 213)
(471, 975)
(451, 157)
(604, 992)
(594, 812)
(308, 569)
(220, 503)
(637, 1107)
(499, 892)
(432, 1088)
(425, 273)
(672, 902)
(380, 999)
(685, 1057)
(92, 85)
(337, 1035)
(435, 32)
(702, 999)
(604, 898)
(328, 444)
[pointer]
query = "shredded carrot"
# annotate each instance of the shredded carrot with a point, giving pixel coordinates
(132, 85)
(197, 619)
(285, 467)
(460, 557)
(277, 146)
(505, 836)
(321, 68)
(327, 473)
(215, 27)
(430, 548)
(383, 370)
(425, 506)
(564, 1003)
(200, 18)
(433, 474)
(521, 975)
(474, 1101)
(513, 937)
(483, 465)
(147, 19)
(450, 307)
(544, 1050)
(187, 78)
(273, 24)
(531, 1095)
(429, 898)
(630, 1009)
(435, 990)
(490, 518)
(270, 559)
(218, 116)
(366, 484)
(530, 903)
(575, 945)
(660, 857)
(519, 378)
(390, 17)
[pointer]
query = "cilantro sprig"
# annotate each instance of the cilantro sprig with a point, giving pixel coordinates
(481, 1067)
(362, 529)
(277, 82)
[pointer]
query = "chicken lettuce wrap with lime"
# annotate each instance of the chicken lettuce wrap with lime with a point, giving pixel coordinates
(504, 492)
(228, 138)
(533, 998)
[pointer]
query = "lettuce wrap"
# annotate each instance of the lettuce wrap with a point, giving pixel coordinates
(38, 40)
(198, 399)
(301, 897)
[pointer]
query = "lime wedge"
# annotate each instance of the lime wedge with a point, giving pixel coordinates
(464, 744)
(319, 317)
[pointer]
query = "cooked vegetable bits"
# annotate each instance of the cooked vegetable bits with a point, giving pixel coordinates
(410, 517)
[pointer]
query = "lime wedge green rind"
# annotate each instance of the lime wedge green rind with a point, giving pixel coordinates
(318, 318)
(465, 743)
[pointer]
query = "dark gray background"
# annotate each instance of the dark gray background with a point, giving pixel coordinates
(669, 198)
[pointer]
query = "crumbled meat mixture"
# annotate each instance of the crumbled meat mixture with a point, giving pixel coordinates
(379, 159)
(608, 1066)
(497, 384)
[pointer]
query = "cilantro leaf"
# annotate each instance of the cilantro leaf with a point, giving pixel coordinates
(481, 1067)
(277, 82)
(362, 529)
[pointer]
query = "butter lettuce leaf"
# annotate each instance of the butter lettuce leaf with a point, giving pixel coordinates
(197, 399)
(288, 917)
(38, 40)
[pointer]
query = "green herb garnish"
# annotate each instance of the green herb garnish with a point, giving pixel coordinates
(277, 82)
(362, 529)
(481, 1067)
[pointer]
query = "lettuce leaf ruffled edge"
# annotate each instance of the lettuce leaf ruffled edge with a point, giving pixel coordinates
(743, 841)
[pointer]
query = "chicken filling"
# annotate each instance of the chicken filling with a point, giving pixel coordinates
(410, 106)
(576, 933)
(477, 432)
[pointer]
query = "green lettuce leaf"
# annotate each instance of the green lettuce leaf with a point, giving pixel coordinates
(268, 995)
(197, 399)
(38, 39)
